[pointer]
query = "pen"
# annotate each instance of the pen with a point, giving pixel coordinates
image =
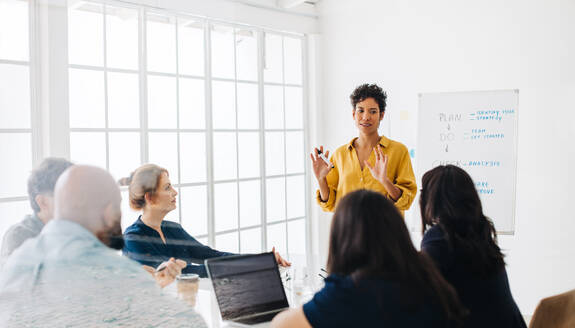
(322, 156)
(161, 269)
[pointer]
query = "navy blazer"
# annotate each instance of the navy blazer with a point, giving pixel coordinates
(370, 303)
(488, 299)
(144, 245)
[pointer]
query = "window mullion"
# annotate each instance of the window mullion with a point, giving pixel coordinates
(143, 80)
(106, 116)
(37, 131)
(237, 139)
(263, 187)
(56, 86)
(285, 147)
(210, 133)
(305, 94)
(178, 121)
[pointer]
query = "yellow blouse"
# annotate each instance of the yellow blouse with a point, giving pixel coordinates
(347, 175)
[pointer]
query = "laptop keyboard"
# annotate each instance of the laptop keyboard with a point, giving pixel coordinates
(257, 319)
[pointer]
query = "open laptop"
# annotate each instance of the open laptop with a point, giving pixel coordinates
(248, 288)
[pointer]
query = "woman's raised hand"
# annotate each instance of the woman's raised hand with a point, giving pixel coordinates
(379, 169)
(320, 167)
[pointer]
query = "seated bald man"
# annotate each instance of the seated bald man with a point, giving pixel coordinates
(71, 273)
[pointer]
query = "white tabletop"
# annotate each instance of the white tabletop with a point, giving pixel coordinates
(207, 305)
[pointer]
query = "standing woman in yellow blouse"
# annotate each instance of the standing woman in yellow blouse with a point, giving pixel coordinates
(369, 161)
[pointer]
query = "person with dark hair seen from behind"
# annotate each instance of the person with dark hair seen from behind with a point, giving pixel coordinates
(369, 161)
(376, 276)
(463, 243)
(41, 196)
(151, 239)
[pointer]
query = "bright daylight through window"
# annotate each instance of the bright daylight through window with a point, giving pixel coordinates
(219, 105)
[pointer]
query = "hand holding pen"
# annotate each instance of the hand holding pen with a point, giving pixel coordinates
(324, 273)
(320, 162)
(167, 271)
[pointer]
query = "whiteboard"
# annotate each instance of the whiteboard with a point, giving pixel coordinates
(476, 131)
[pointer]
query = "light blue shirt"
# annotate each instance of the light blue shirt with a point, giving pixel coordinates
(67, 277)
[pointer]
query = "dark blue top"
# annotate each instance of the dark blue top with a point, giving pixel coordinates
(488, 298)
(370, 303)
(144, 245)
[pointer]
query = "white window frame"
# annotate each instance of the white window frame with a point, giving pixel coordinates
(35, 129)
(56, 109)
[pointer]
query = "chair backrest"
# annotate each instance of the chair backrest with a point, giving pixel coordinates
(555, 312)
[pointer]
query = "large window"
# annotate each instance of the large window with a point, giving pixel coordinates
(219, 105)
(104, 89)
(284, 143)
(15, 111)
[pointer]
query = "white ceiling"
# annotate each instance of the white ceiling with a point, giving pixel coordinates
(306, 7)
(295, 3)
(281, 4)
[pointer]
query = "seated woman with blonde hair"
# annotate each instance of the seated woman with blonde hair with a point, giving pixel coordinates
(377, 277)
(152, 240)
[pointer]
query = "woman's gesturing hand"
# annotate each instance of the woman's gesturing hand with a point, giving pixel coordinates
(320, 167)
(379, 169)
(379, 172)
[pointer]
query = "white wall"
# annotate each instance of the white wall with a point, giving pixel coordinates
(415, 46)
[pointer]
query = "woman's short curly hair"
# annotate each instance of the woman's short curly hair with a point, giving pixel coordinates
(365, 91)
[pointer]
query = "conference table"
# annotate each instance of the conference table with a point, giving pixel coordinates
(207, 305)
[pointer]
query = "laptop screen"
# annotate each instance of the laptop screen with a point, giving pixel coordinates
(246, 284)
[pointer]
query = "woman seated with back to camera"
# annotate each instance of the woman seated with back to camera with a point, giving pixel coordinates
(377, 277)
(152, 240)
(462, 242)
